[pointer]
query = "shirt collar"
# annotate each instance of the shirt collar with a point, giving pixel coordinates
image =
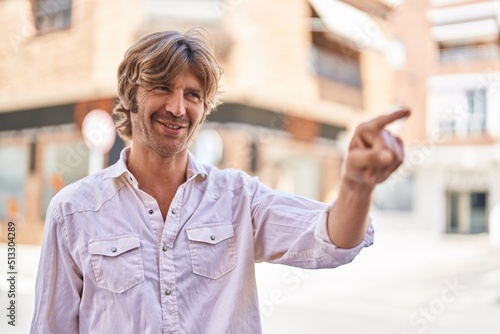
(194, 168)
(120, 167)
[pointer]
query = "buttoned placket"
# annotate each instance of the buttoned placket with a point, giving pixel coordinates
(166, 232)
(167, 269)
(169, 230)
(132, 181)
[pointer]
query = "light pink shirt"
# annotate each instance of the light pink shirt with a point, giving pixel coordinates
(110, 264)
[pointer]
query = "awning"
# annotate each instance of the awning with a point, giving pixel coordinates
(350, 24)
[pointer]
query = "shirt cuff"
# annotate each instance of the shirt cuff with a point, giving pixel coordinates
(344, 255)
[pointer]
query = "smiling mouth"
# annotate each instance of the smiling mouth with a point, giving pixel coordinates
(170, 126)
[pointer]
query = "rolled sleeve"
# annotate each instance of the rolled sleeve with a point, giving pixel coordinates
(339, 255)
(292, 230)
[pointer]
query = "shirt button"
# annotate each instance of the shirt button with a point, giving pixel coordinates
(151, 212)
(173, 211)
(168, 292)
(165, 248)
(212, 237)
(114, 249)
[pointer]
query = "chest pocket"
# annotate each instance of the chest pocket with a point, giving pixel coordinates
(212, 249)
(117, 262)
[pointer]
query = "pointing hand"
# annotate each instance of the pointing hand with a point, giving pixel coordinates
(374, 153)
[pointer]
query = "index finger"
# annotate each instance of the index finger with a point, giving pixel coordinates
(382, 121)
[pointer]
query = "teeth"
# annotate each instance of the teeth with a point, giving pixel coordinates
(170, 126)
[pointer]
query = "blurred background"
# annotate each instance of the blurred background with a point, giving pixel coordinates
(299, 76)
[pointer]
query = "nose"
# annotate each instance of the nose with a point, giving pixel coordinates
(175, 104)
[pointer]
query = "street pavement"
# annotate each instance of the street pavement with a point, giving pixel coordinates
(27, 257)
(410, 281)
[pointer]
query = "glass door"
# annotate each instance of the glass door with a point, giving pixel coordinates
(478, 212)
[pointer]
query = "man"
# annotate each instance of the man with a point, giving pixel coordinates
(158, 243)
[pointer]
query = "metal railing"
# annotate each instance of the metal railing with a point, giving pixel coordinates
(336, 67)
(468, 53)
(474, 124)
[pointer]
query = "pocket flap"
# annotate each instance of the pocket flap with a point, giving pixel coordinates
(210, 233)
(114, 246)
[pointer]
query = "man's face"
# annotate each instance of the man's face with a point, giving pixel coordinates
(168, 115)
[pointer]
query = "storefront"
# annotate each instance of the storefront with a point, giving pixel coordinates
(41, 151)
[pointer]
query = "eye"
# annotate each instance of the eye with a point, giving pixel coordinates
(161, 89)
(195, 96)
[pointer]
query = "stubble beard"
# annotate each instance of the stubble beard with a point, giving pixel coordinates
(154, 140)
(164, 145)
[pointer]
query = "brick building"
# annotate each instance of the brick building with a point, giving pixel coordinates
(295, 82)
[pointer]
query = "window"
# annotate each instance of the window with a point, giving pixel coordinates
(478, 212)
(63, 163)
(13, 171)
(298, 174)
(52, 15)
(452, 226)
(208, 148)
(467, 212)
(469, 118)
(336, 66)
(476, 111)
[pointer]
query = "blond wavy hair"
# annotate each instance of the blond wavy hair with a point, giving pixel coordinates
(158, 58)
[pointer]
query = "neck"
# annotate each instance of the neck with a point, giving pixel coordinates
(154, 172)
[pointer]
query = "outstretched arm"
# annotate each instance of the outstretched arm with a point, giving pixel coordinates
(374, 154)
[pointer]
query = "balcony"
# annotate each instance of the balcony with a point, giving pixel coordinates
(466, 53)
(474, 125)
(467, 32)
(338, 76)
(336, 67)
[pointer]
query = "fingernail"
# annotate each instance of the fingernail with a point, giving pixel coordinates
(397, 107)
